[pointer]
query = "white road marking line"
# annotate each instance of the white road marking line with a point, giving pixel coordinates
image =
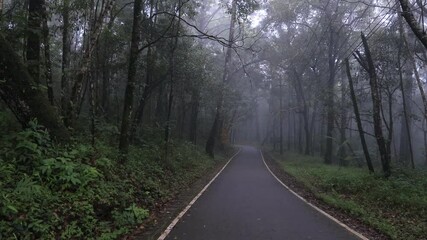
(182, 213)
(359, 235)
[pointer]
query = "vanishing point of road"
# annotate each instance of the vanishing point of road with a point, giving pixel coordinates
(246, 202)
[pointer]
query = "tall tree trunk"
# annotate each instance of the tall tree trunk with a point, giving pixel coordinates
(172, 76)
(281, 116)
(416, 73)
(257, 129)
(48, 62)
(105, 83)
(358, 119)
(213, 135)
(35, 13)
(160, 104)
(146, 93)
(131, 81)
(195, 102)
(313, 126)
(343, 125)
(330, 100)
(23, 95)
(304, 112)
(405, 140)
(300, 135)
(289, 129)
(322, 134)
(65, 67)
(376, 107)
(425, 141)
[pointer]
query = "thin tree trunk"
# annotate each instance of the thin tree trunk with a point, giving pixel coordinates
(358, 120)
(76, 91)
(295, 134)
(92, 109)
(257, 129)
(289, 129)
(322, 134)
(281, 117)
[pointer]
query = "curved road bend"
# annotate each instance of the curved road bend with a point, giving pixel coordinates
(246, 202)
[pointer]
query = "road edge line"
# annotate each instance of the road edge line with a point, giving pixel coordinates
(182, 213)
(354, 232)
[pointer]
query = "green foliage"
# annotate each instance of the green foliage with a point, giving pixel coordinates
(396, 206)
(48, 191)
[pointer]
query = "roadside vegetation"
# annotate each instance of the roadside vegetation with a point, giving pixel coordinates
(396, 206)
(76, 191)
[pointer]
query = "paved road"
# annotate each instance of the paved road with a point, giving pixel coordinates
(247, 203)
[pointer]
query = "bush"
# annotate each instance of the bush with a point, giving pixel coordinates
(48, 191)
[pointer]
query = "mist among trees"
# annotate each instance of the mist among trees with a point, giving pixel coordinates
(92, 92)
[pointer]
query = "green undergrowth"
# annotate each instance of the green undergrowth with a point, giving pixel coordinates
(77, 191)
(396, 206)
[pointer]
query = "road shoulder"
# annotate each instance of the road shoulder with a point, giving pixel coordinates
(159, 220)
(310, 197)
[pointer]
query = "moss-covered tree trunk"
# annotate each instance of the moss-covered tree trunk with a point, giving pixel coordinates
(24, 96)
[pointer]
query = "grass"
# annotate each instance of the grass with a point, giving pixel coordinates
(396, 206)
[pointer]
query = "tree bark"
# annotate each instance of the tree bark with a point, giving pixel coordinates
(23, 95)
(195, 103)
(213, 135)
(304, 111)
(76, 96)
(65, 56)
(376, 107)
(48, 61)
(35, 13)
(330, 100)
(343, 125)
(412, 22)
(405, 140)
(281, 116)
(131, 81)
(358, 119)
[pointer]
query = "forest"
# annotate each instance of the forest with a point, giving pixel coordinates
(111, 109)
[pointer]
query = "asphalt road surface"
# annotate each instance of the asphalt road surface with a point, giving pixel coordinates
(247, 203)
